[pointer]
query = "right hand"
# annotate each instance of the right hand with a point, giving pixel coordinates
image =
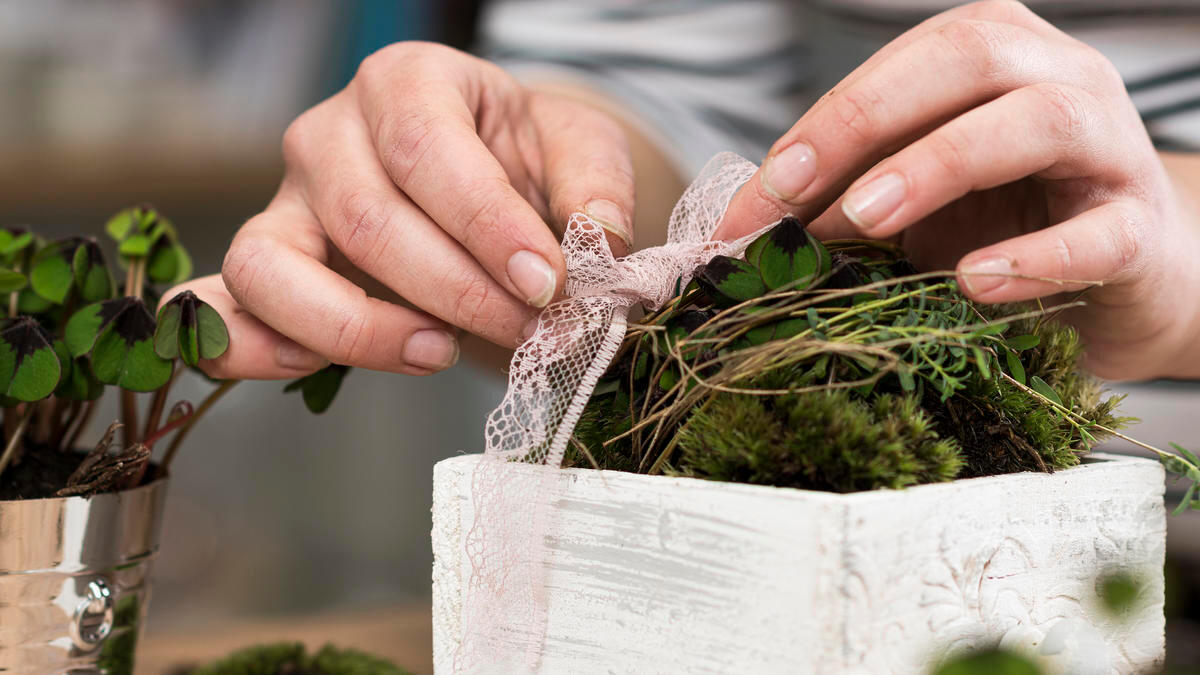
(428, 181)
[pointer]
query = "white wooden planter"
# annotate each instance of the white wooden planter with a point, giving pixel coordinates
(670, 575)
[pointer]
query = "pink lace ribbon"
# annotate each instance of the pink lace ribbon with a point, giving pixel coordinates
(551, 379)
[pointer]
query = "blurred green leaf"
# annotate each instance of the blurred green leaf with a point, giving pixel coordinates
(51, 276)
(11, 280)
(320, 388)
(137, 245)
(1023, 342)
(169, 263)
(1119, 592)
(29, 368)
(990, 661)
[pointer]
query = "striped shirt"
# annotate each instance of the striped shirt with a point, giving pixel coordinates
(711, 75)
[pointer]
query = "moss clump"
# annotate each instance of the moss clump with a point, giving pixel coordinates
(290, 658)
(824, 440)
(839, 368)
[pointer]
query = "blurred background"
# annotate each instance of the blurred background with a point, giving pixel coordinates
(275, 512)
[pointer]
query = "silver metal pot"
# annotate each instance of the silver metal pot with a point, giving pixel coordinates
(75, 580)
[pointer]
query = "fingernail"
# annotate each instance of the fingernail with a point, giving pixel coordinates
(789, 171)
(611, 217)
(869, 205)
(432, 349)
(292, 355)
(528, 331)
(974, 274)
(533, 277)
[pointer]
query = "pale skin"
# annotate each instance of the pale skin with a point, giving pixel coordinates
(422, 203)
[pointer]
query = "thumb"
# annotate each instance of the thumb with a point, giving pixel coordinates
(754, 206)
(588, 168)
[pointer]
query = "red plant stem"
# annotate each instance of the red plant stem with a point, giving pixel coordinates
(195, 417)
(156, 408)
(129, 416)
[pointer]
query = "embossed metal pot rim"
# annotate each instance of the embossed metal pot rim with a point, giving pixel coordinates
(74, 578)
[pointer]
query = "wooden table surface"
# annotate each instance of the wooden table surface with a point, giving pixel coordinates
(402, 634)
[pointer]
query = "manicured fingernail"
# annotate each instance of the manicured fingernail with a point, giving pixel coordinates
(432, 349)
(611, 217)
(789, 171)
(529, 329)
(869, 205)
(292, 355)
(975, 274)
(533, 277)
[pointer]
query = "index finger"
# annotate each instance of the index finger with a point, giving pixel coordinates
(422, 114)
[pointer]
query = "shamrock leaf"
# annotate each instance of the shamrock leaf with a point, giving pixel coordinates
(320, 388)
(787, 255)
(190, 329)
(51, 276)
(76, 383)
(169, 263)
(729, 281)
(29, 368)
(12, 241)
(92, 278)
(119, 334)
(11, 280)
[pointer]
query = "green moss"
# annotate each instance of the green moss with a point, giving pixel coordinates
(824, 440)
(290, 658)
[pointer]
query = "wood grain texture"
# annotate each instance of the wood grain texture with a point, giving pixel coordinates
(671, 575)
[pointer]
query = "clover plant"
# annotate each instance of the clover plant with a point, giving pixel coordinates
(70, 330)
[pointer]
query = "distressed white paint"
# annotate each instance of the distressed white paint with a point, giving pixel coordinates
(649, 574)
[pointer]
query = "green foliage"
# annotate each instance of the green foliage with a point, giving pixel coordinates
(989, 662)
(320, 388)
(819, 440)
(852, 373)
(67, 336)
(286, 657)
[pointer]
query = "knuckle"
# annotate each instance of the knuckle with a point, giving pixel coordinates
(981, 44)
(950, 149)
(1064, 110)
(858, 109)
(406, 137)
(480, 219)
(296, 138)
(353, 339)
(471, 305)
(243, 263)
(365, 229)
(1127, 231)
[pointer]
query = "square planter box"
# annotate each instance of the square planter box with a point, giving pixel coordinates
(655, 574)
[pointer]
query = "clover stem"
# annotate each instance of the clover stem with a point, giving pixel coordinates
(208, 402)
(89, 409)
(129, 416)
(14, 441)
(60, 432)
(156, 407)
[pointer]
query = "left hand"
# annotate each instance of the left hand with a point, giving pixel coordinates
(987, 138)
